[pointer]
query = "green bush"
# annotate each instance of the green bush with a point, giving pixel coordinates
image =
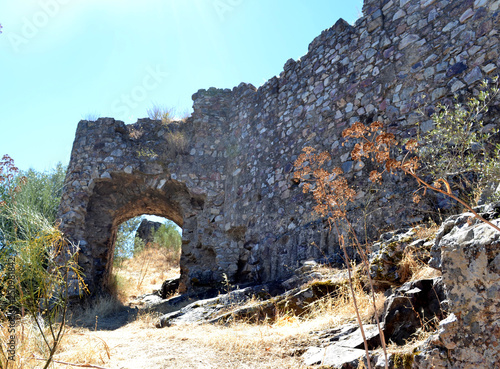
(30, 201)
(37, 264)
(168, 236)
(460, 146)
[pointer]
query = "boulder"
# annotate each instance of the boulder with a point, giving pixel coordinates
(347, 349)
(412, 306)
(468, 253)
(146, 230)
(169, 287)
(387, 253)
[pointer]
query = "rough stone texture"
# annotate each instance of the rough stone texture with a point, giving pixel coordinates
(387, 253)
(343, 348)
(230, 185)
(470, 261)
(146, 230)
(411, 306)
(169, 287)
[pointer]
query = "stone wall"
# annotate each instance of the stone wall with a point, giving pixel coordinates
(230, 185)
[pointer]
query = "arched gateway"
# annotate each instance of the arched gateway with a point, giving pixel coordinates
(118, 172)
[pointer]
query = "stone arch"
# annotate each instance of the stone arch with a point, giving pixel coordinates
(120, 171)
(124, 196)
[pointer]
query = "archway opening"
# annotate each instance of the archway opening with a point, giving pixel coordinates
(146, 258)
(120, 199)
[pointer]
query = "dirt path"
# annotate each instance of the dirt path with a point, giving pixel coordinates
(140, 345)
(148, 348)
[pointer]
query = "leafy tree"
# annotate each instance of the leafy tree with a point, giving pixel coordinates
(168, 236)
(125, 239)
(42, 191)
(26, 196)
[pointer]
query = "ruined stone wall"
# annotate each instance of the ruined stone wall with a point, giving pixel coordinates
(230, 188)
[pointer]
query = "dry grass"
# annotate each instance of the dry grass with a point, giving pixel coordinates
(276, 344)
(236, 345)
(176, 142)
(31, 351)
(426, 231)
(339, 309)
(414, 263)
(79, 346)
(157, 112)
(89, 314)
(403, 355)
(146, 271)
(28, 343)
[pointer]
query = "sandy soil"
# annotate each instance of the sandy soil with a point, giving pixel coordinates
(140, 345)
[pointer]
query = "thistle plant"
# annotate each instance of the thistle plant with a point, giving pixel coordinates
(333, 195)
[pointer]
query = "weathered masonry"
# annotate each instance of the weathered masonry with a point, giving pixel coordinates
(225, 175)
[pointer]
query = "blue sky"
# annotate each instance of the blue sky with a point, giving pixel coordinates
(65, 60)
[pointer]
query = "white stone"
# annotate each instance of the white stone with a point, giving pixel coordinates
(466, 15)
(161, 184)
(457, 86)
(494, 6)
(489, 68)
(480, 3)
(359, 165)
(438, 93)
(450, 26)
(399, 14)
(426, 3)
(388, 6)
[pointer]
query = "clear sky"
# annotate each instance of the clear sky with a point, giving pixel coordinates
(65, 60)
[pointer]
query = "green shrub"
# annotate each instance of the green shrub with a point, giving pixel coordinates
(37, 264)
(460, 146)
(168, 236)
